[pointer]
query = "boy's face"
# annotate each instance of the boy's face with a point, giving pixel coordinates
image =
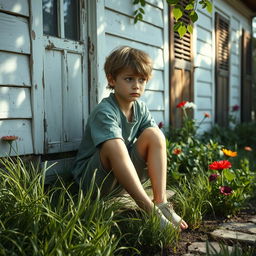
(128, 86)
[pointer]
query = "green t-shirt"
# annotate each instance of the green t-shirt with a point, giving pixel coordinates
(107, 122)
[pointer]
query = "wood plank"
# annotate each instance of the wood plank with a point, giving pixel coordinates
(154, 100)
(153, 15)
(157, 81)
(53, 100)
(20, 128)
(37, 49)
(158, 116)
(203, 34)
(157, 55)
(15, 6)
(204, 89)
(73, 93)
(123, 26)
(15, 102)
(14, 33)
(14, 69)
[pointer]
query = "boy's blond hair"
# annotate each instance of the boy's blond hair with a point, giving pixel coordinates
(128, 57)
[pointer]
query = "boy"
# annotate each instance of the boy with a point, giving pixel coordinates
(122, 142)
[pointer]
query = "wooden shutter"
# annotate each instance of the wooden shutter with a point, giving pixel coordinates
(246, 77)
(222, 70)
(181, 69)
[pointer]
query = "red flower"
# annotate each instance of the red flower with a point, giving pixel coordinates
(235, 108)
(207, 115)
(225, 190)
(161, 125)
(176, 151)
(213, 176)
(220, 165)
(9, 138)
(181, 104)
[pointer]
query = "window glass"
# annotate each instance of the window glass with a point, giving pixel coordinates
(50, 26)
(71, 19)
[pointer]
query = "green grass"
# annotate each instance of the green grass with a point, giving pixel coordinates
(56, 221)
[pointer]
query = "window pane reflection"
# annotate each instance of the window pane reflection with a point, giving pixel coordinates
(50, 17)
(71, 19)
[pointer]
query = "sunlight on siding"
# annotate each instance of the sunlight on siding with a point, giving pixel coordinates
(8, 66)
(20, 41)
(17, 8)
(20, 99)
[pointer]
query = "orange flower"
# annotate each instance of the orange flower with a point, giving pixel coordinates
(9, 138)
(229, 152)
(247, 148)
(176, 151)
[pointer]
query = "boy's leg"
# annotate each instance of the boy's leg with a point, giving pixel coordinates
(151, 146)
(115, 157)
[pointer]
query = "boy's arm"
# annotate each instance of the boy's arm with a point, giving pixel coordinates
(115, 157)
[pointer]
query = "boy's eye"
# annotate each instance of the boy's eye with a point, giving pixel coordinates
(129, 79)
(142, 80)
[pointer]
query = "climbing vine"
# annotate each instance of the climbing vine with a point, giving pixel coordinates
(178, 9)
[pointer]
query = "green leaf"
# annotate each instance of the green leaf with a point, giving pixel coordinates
(190, 28)
(177, 25)
(177, 13)
(142, 10)
(209, 6)
(135, 1)
(189, 7)
(182, 30)
(229, 175)
(172, 2)
(143, 2)
(193, 16)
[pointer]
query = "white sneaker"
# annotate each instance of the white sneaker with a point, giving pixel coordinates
(170, 214)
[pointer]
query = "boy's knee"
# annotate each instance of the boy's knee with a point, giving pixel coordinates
(153, 135)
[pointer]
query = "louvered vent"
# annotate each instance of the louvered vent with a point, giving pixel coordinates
(222, 40)
(182, 46)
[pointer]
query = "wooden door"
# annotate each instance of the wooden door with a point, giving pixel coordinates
(181, 70)
(222, 70)
(64, 74)
(246, 77)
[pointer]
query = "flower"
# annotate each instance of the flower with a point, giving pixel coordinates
(207, 115)
(190, 105)
(229, 152)
(9, 138)
(225, 190)
(213, 177)
(181, 104)
(161, 125)
(235, 108)
(247, 148)
(176, 151)
(220, 165)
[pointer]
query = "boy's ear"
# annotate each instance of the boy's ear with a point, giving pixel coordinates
(110, 80)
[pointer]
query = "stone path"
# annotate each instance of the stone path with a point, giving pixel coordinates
(228, 233)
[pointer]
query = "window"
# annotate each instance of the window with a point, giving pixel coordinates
(61, 18)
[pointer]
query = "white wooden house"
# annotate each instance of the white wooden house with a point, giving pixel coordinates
(52, 54)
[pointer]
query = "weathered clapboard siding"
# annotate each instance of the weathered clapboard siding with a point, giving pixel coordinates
(14, 103)
(14, 33)
(17, 7)
(237, 23)
(20, 128)
(15, 78)
(148, 35)
(14, 69)
(204, 66)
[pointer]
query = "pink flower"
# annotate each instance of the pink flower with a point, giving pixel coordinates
(220, 165)
(181, 104)
(213, 177)
(235, 108)
(247, 148)
(161, 125)
(225, 190)
(9, 138)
